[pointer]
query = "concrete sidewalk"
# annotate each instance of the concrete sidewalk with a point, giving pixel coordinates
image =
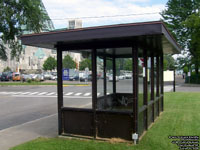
(43, 127)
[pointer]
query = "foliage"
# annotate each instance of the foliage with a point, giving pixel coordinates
(193, 24)
(68, 62)
(169, 62)
(18, 16)
(182, 19)
(86, 63)
(7, 69)
(49, 64)
(185, 69)
(128, 64)
(194, 78)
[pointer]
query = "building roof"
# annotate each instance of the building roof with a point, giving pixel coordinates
(152, 35)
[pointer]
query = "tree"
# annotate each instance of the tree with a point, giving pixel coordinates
(68, 62)
(128, 64)
(169, 62)
(86, 63)
(182, 19)
(16, 17)
(193, 24)
(7, 69)
(49, 64)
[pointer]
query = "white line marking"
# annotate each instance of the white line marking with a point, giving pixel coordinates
(87, 94)
(42, 93)
(33, 93)
(77, 94)
(25, 93)
(70, 93)
(50, 96)
(52, 93)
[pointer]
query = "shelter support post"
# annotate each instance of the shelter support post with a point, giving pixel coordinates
(152, 85)
(114, 75)
(104, 74)
(157, 82)
(94, 89)
(162, 82)
(60, 90)
(174, 82)
(145, 89)
(135, 87)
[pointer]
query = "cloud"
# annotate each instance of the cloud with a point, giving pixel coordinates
(61, 9)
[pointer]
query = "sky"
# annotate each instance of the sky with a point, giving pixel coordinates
(61, 11)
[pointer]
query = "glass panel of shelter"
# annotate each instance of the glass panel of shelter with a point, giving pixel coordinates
(79, 95)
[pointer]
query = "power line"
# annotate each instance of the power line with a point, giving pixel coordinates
(96, 17)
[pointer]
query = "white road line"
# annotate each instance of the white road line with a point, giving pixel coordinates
(51, 96)
(77, 94)
(33, 93)
(42, 93)
(25, 93)
(70, 93)
(52, 93)
(4, 92)
(17, 93)
(87, 94)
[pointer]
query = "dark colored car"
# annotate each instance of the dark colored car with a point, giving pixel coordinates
(0, 75)
(86, 78)
(74, 78)
(5, 76)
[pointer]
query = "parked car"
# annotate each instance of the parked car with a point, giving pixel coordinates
(54, 77)
(128, 76)
(47, 76)
(38, 77)
(86, 78)
(111, 78)
(0, 75)
(74, 78)
(5, 76)
(121, 77)
(26, 77)
(16, 76)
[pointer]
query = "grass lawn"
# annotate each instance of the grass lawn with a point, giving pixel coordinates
(181, 117)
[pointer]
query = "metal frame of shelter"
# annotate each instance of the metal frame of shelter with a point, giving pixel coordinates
(146, 40)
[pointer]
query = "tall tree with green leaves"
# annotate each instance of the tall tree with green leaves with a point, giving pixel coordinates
(17, 16)
(193, 24)
(85, 63)
(68, 62)
(179, 17)
(49, 64)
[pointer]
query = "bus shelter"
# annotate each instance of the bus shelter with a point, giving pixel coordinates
(123, 112)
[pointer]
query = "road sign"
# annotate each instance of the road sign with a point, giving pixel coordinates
(65, 74)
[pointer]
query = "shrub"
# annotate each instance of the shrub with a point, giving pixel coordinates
(194, 78)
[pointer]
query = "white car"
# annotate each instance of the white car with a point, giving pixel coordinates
(128, 76)
(110, 79)
(121, 77)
